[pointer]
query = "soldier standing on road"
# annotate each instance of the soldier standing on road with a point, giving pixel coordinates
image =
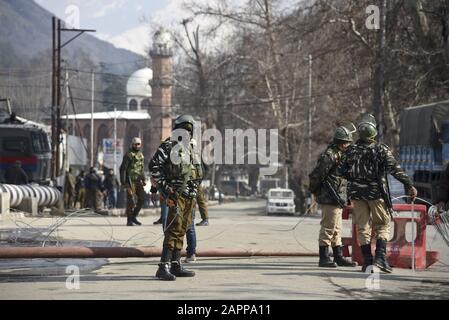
(111, 186)
(329, 190)
(69, 190)
(93, 187)
(202, 206)
(365, 165)
(80, 189)
(178, 183)
(132, 179)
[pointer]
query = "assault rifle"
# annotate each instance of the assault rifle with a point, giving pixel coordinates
(334, 194)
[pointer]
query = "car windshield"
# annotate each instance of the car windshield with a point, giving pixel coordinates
(281, 194)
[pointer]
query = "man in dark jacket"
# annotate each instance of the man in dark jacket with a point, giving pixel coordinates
(111, 186)
(16, 175)
(93, 187)
(329, 190)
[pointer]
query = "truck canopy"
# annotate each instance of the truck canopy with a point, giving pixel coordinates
(422, 125)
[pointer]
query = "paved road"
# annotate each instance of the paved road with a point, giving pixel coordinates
(233, 225)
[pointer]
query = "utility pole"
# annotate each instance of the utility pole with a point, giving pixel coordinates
(56, 91)
(379, 73)
(92, 121)
(309, 121)
(115, 140)
(67, 162)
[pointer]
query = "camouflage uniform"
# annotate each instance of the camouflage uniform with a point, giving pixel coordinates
(326, 169)
(69, 191)
(179, 182)
(364, 165)
(132, 174)
(202, 206)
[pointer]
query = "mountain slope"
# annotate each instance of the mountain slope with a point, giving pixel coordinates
(26, 27)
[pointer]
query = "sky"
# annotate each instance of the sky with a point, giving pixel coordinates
(124, 23)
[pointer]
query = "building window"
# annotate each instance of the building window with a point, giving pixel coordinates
(145, 105)
(133, 105)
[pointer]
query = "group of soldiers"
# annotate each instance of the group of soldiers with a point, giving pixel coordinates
(90, 190)
(356, 173)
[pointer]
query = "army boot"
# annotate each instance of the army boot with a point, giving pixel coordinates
(134, 219)
(380, 259)
(163, 273)
(129, 222)
(325, 260)
(340, 260)
(177, 269)
(367, 256)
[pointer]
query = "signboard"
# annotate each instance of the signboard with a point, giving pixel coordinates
(108, 153)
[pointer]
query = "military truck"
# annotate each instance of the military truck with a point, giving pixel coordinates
(28, 143)
(424, 146)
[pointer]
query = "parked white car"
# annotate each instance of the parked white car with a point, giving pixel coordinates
(281, 201)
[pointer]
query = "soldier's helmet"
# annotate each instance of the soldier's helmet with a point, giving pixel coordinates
(367, 131)
(185, 122)
(342, 135)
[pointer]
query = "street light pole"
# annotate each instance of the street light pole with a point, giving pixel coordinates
(92, 121)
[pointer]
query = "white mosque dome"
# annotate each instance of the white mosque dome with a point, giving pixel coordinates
(139, 83)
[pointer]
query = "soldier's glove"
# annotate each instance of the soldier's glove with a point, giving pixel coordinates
(413, 193)
(171, 200)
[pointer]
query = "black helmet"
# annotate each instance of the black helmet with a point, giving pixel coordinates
(342, 134)
(367, 131)
(184, 122)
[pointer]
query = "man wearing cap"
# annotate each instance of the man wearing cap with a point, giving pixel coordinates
(177, 171)
(330, 192)
(132, 179)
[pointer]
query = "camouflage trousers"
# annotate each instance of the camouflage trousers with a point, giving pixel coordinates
(135, 199)
(330, 232)
(81, 198)
(202, 204)
(178, 222)
(369, 216)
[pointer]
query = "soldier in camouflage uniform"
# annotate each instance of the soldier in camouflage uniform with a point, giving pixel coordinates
(178, 183)
(329, 190)
(132, 178)
(365, 165)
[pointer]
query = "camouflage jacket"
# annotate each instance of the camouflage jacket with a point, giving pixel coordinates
(325, 174)
(131, 169)
(183, 178)
(365, 165)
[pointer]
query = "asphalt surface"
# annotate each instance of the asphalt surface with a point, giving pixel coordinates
(241, 225)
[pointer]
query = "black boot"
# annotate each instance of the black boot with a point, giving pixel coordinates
(134, 219)
(340, 260)
(158, 221)
(163, 272)
(129, 222)
(367, 256)
(325, 260)
(177, 269)
(380, 259)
